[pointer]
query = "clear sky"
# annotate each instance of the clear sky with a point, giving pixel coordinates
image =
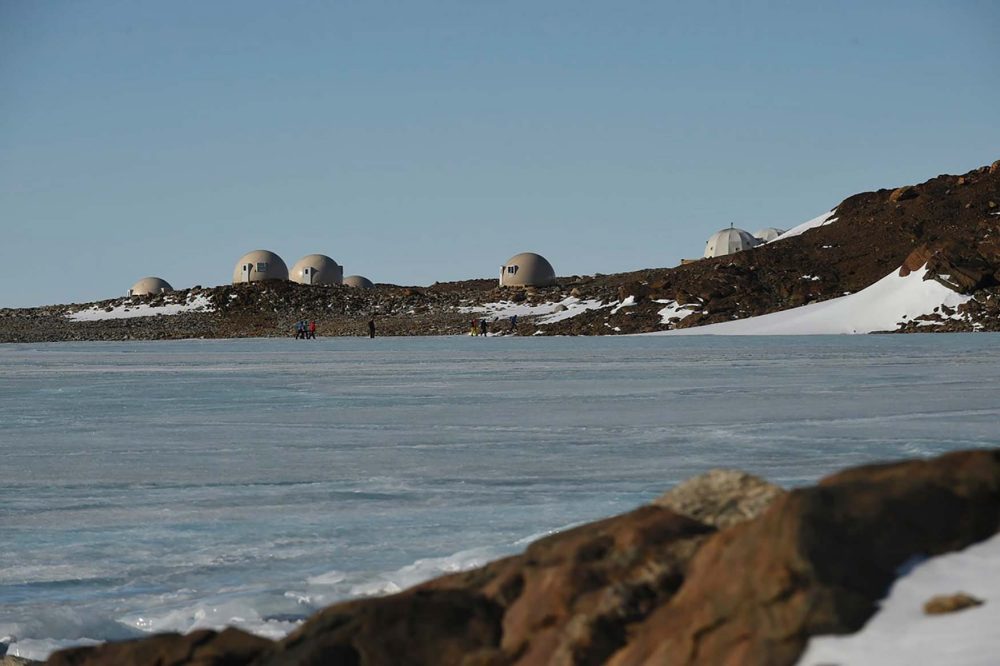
(423, 141)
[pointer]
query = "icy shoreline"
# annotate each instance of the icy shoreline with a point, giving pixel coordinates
(717, 512)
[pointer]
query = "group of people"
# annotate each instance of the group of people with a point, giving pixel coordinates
(305, 331)
(482, 326)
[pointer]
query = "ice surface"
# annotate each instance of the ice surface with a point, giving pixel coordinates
(130, 310)
(881, 307)
(901, 634)
(171, 485)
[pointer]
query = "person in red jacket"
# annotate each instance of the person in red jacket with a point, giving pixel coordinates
(312, 330)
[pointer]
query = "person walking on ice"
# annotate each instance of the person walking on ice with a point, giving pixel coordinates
(371, 328)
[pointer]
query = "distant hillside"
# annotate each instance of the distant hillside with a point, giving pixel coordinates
(950, 224)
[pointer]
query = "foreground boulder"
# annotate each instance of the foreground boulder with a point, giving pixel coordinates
(201, 648)
(723, 569)
(818, 561)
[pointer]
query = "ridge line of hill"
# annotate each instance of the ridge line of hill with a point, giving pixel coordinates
(950, 224)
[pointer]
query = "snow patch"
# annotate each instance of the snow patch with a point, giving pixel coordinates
(130, 310)
(822, 220)
(673, 311)
(900, 632)
(879, 307)
(627, 303)
(545, 313)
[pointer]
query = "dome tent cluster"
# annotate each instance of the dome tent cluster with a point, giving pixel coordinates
(733, 239)
(526, 269)
(261, 265)
(314, 269)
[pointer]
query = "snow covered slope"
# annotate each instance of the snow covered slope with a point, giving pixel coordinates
(130, 310)
(825, 218)
(900, 633)
(880, 307)
(547, 313)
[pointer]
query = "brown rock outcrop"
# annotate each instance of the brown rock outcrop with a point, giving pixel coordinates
(651, 586)
(961, 268)
(904, 193)
(199, 648)
(422, 626)
(818, 561)
(568, 599)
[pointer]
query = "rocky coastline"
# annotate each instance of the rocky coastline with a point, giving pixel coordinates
(724, 569)
(951, 224)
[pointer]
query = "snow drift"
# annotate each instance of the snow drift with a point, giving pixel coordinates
(881, 307)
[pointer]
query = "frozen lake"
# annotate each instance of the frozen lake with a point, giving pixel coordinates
(172, 485)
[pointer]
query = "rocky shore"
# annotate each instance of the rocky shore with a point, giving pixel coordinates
(951, 224)
(723, 569)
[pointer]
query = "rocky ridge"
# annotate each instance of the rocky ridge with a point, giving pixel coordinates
(724, 569)
(949, 223)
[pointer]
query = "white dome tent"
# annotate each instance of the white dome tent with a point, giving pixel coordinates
(150, 285)
(728, 241)
(769, 234)
(258, 266)
(358, 282)
(527, 269)
(317, 269)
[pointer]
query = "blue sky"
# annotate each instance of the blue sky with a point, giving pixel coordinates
(416, 142)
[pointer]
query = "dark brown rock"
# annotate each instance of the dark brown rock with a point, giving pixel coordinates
(818, 561)
(961, 268)
(568, 599)
(230, 647)
(904, 193)
(950, 603)
(916, 260)
(423, 626)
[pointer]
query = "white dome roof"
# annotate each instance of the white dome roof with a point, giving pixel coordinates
(259, 265)
(728, 241)
(527, 270)
(769, 234)
(358, 282)
(149, 285)
(316, 269)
